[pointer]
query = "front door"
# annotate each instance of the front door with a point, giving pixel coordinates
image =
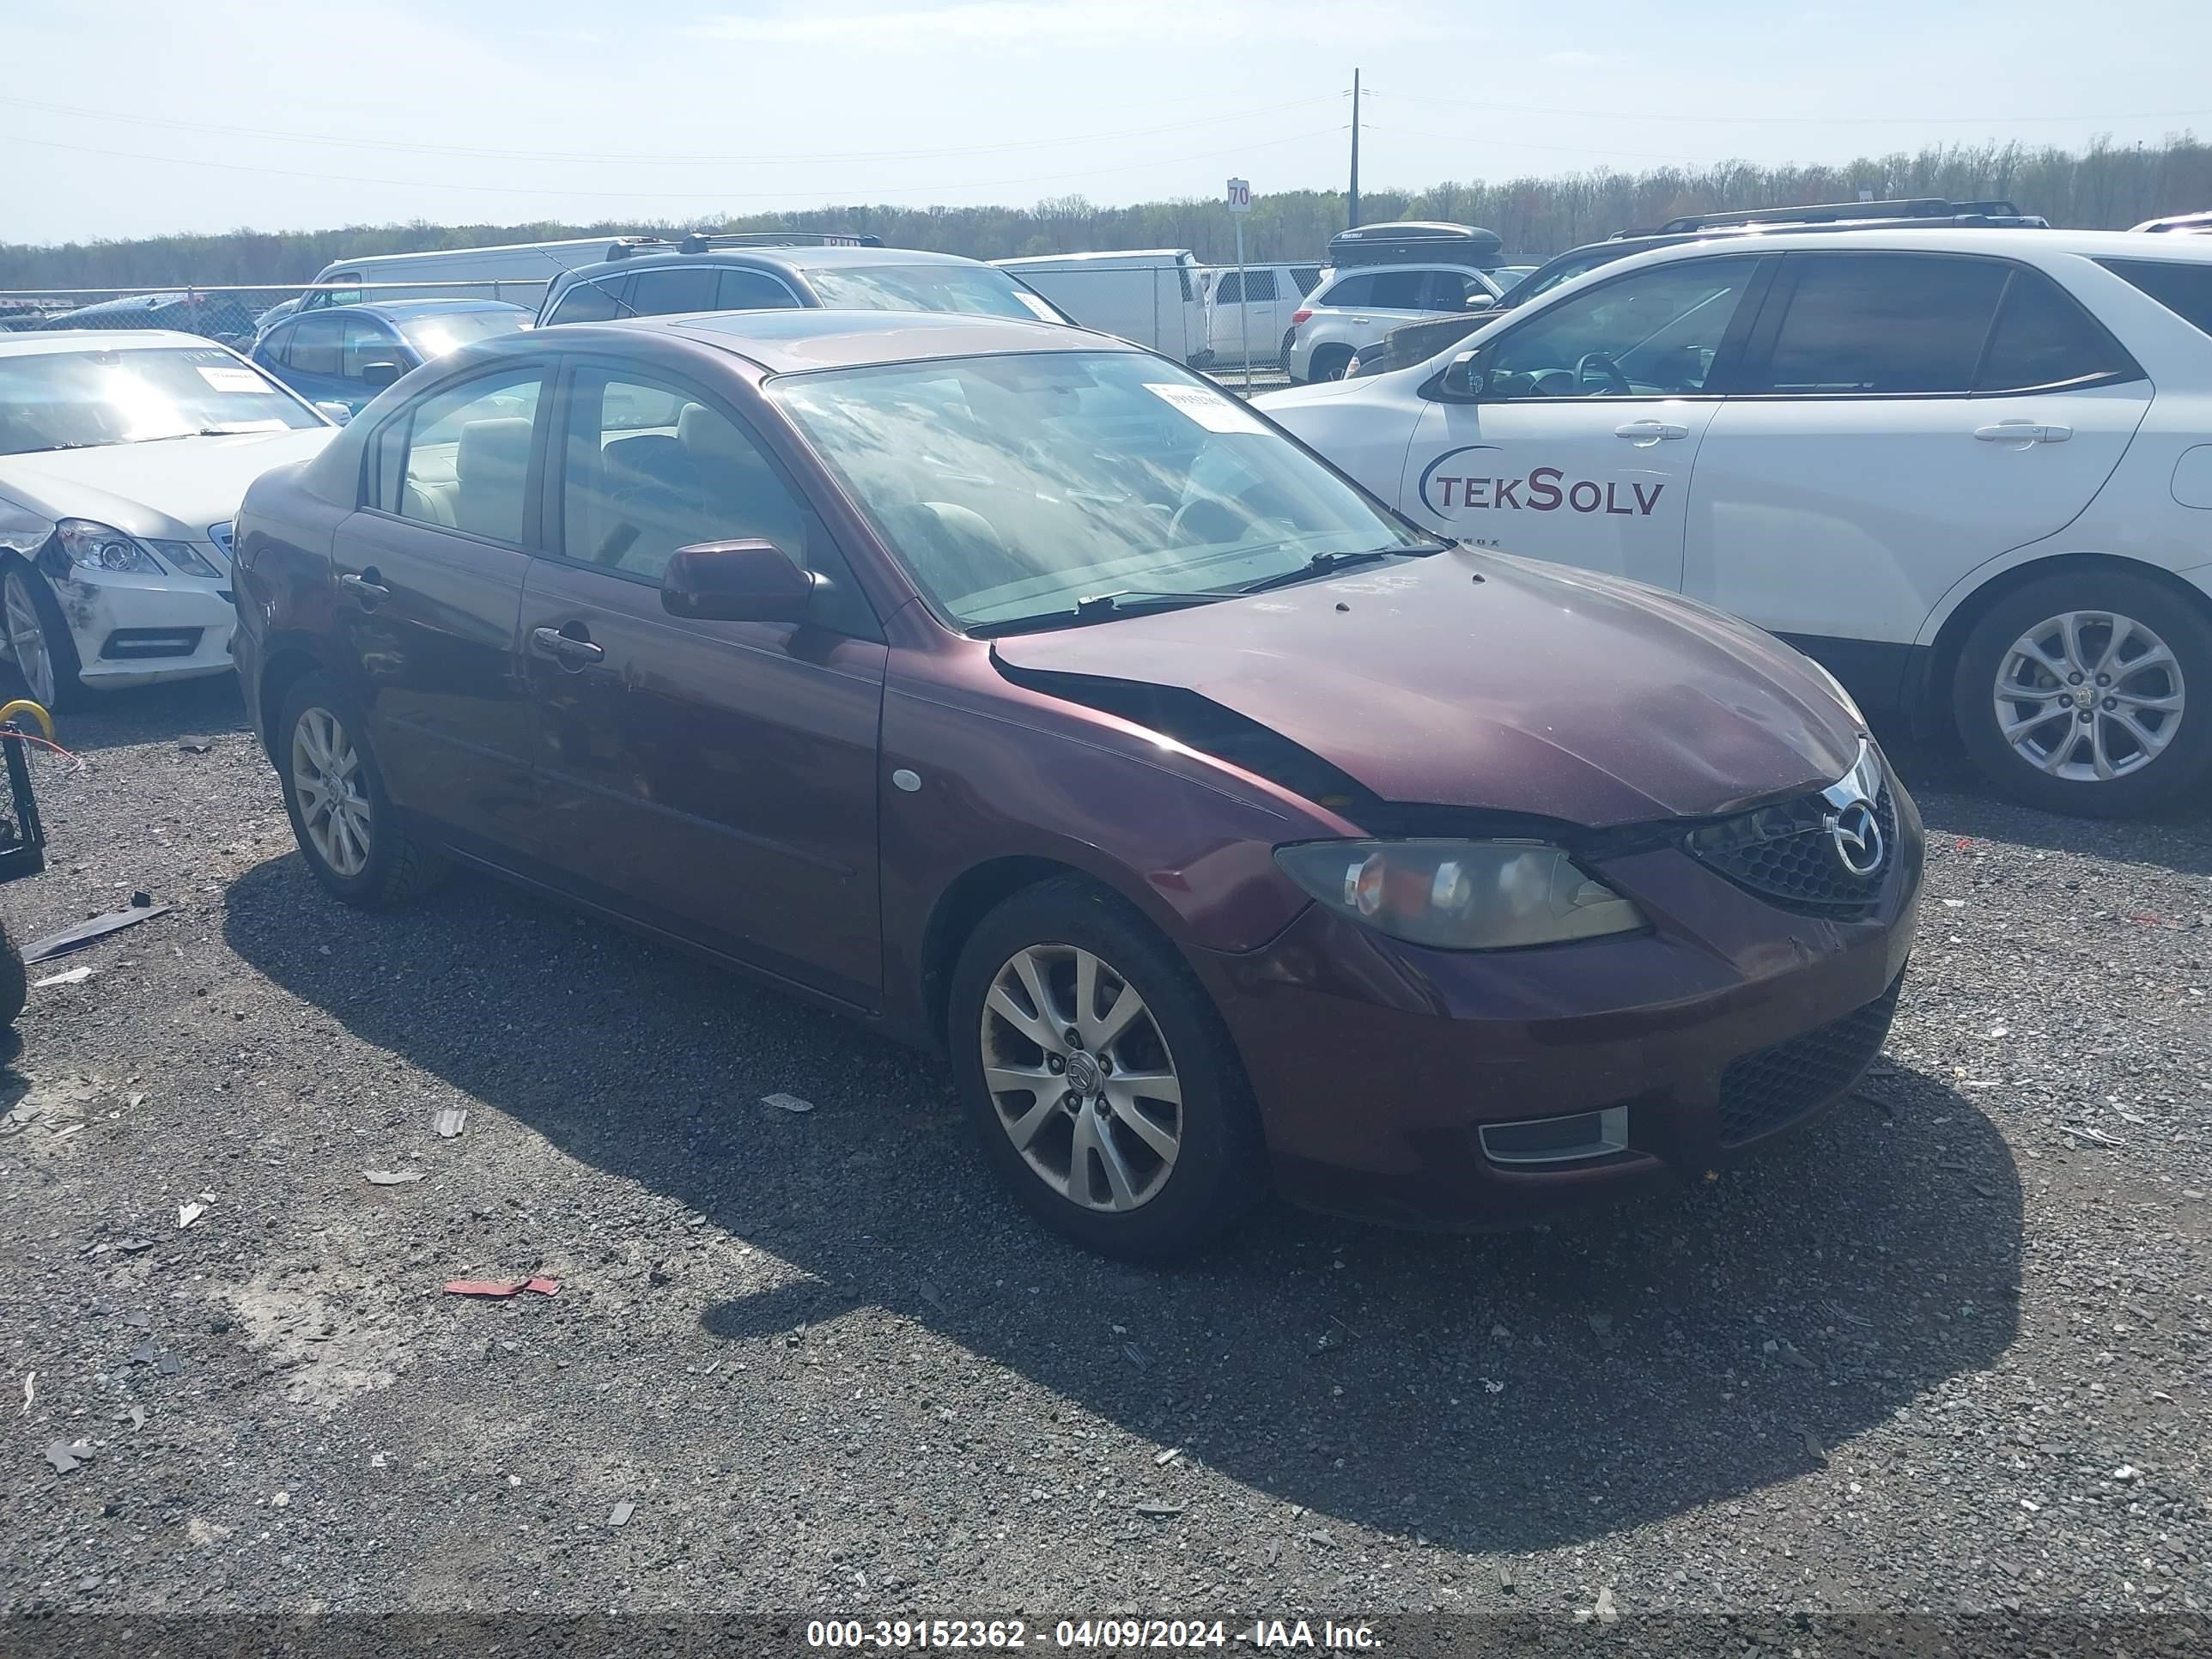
(717, 779)
(429, 576)
(1902, 419)
(1571, 437)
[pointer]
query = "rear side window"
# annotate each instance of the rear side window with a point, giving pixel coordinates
(466, 460)
(2043, 339)
(2183, 287)
(679, 287)
(1877, 323)
(1351, 291)
(596, 302)
(277, 344)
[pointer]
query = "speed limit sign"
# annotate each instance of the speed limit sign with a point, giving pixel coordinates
(1240, 196)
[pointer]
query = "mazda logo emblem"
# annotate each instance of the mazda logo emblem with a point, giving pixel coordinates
(1856, 834)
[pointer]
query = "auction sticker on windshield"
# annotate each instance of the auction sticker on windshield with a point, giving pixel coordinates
(221, 379)
(1216, 412)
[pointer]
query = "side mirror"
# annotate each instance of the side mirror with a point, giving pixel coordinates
(736, 581)
(1463, 378)
(1480, 302)
(380, 376)
(338, 412)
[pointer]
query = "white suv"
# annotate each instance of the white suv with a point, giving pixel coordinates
(1355, 307)
(1969, 470)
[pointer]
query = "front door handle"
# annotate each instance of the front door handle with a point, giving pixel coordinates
(2023, 432)
(1645, 433)
(571, 653)
(368, 587)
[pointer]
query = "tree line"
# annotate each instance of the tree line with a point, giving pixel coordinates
(2104, 186)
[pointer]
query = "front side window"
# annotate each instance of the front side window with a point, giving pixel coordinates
(1861, 323)
(466, 455)
(648, 469)
(1013, 486)
(675, 289)
(2042, 339)
(1450, 290)
(318, 346)
(597, 300)
(978, 291)
(88, 399)
(1226, 291)
(1654, 333)
(367, 341)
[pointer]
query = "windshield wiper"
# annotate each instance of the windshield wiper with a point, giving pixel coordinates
(1100, 607)
(1322, 563)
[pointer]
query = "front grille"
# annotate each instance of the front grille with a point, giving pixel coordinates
(1765, 1090)
(1787, 854)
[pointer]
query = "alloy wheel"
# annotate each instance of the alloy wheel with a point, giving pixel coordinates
(326, 781)
(27, 638)
(1080, 1076)
(2089, 695)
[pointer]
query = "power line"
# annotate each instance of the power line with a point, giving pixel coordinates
(603, 157)
(1459, 98)
(1241, 147)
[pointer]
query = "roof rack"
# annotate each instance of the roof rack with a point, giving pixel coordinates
(699, 242)
(1993, 212)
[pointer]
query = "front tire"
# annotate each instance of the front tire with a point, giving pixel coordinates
(351, 835)
(2089, 692)
(1105, 1088)
(1330, 363)
(38, 639)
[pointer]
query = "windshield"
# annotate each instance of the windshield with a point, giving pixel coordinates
(979, 290)
(435, 336)
(1017, 486)
(81, 399)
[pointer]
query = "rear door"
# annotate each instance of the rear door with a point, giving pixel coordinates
(1576, 440)
(715, 780)
(429, 575)
(1902, 418)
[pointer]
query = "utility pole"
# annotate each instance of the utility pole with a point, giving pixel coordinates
(1354, 225)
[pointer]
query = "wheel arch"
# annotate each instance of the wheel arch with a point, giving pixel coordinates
(970, 897)
(1940, 664)
(288, 662)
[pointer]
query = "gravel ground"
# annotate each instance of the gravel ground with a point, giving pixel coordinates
(1947, 1351)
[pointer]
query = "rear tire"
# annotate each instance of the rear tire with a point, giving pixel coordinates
(351, 835)
(2030, 671)
(1163, 1152)
(15, 981)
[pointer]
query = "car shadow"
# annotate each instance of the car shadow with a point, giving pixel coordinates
(1502, 1392)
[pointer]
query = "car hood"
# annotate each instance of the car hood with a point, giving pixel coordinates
(1299, 396)
(1533, 689)
(172, 488)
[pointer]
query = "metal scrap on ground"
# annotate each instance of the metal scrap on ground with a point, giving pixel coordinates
(65, 1455)
(73, 976)
(784, 1103)
(499, 1290)
(450, 1120)
(55, 944)
(391, 1177)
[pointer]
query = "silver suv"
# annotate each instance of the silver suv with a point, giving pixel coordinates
(1353, 309)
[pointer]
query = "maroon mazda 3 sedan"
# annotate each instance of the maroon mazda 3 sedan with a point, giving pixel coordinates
(1015, 691)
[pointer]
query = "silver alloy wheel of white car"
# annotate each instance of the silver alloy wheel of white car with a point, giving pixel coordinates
(2089, 695)
(27, 638)
(327, 782)
(1090, 1097)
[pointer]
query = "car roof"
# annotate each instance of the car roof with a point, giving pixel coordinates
(789, 258)
(399, 311)
(789, 341)
(2015, 241)
(97, 339)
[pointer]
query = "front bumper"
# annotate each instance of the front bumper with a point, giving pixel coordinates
(132, 629)
(1377, 1065)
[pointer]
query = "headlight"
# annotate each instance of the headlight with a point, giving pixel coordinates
(184, 558)
(103, 547)
(1459, 895)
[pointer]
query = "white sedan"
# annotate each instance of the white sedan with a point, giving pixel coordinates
(123, 456)
(1968, 469)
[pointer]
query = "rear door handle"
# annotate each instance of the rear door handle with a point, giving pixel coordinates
(366, 587)
(1647, 433)
(571, 652)
(2023, 432)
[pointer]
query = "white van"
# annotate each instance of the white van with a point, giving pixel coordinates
(1264, 300)
(517, 272)
(1149, 296)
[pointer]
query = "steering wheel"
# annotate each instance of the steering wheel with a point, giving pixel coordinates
(1606, 370)
(1209, 518)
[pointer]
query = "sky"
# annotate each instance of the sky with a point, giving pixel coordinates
(128, 118)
